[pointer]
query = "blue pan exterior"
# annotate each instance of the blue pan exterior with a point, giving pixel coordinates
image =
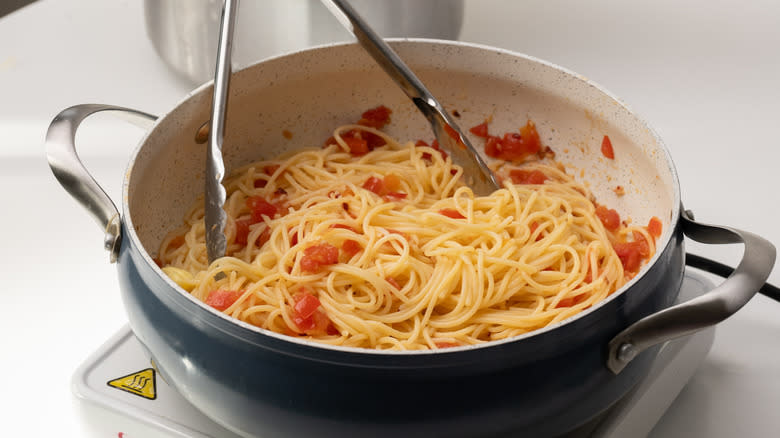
(254, 384)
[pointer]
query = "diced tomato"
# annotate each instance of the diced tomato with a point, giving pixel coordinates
(374, 184)
(309, 317)
(655, 227)
(264, 237)
(346, 227)
(221, 299)
(393, 283)
(318, 324)
(532, 227)
(176, 241)
(357, 146)
(373, 140)
(514, 146)
(630, 254)
(316, 256)
(259, 207)
(294, 239)
(421, 143)
(435, 145)
(532, 141)
(260, 183)
(606, 148)
(387, 186)
(493, 146)
(270, 169)
(480, 130)
(452, 213)
(442, 344)
(376, 117)
(452, 132)
(394, 196)
(520, 176)
(391, 182)
(158, 262)
(350, 248)
(641, 243)
(609, 217)
(242, 230)
(305, 304)
(571, 301)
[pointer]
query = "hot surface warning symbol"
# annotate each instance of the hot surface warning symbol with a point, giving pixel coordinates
(141, 383)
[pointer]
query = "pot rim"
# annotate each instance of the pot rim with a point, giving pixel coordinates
(244, 329)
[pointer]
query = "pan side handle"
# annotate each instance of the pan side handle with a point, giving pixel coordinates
(74, 177)
(703, 311)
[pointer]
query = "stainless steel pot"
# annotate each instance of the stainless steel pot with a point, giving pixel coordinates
(541, 384)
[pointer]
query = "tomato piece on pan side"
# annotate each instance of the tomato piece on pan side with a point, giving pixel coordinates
(606, 148)
(630, 254)
(357, 146)
(270, 169)
(221, 299)
(480, 130)
(319, 255)
(376, 117)
(493, 146)
(176, 242)
(655, 227)
(609, 217)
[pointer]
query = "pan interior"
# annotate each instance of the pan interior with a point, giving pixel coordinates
(309, 93)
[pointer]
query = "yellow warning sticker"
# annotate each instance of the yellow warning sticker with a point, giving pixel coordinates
(141, 383)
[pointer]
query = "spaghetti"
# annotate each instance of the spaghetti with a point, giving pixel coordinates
(386, 249)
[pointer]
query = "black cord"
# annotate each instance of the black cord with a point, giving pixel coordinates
(724, 271)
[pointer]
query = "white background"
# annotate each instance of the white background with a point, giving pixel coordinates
(705, 74)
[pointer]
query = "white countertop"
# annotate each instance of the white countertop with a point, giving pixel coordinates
(705, 74)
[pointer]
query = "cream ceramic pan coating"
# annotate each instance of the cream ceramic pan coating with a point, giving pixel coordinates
(310, 93)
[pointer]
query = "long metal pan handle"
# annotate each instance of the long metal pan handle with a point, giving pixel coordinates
(74, 177)
(703, 311)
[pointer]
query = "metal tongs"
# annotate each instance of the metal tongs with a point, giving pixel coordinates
(476, 172)
(216, 243)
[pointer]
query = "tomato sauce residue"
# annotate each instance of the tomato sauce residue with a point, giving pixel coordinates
(606, 148)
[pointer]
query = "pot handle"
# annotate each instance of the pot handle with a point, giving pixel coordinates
(74, 177)
(705, 310)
